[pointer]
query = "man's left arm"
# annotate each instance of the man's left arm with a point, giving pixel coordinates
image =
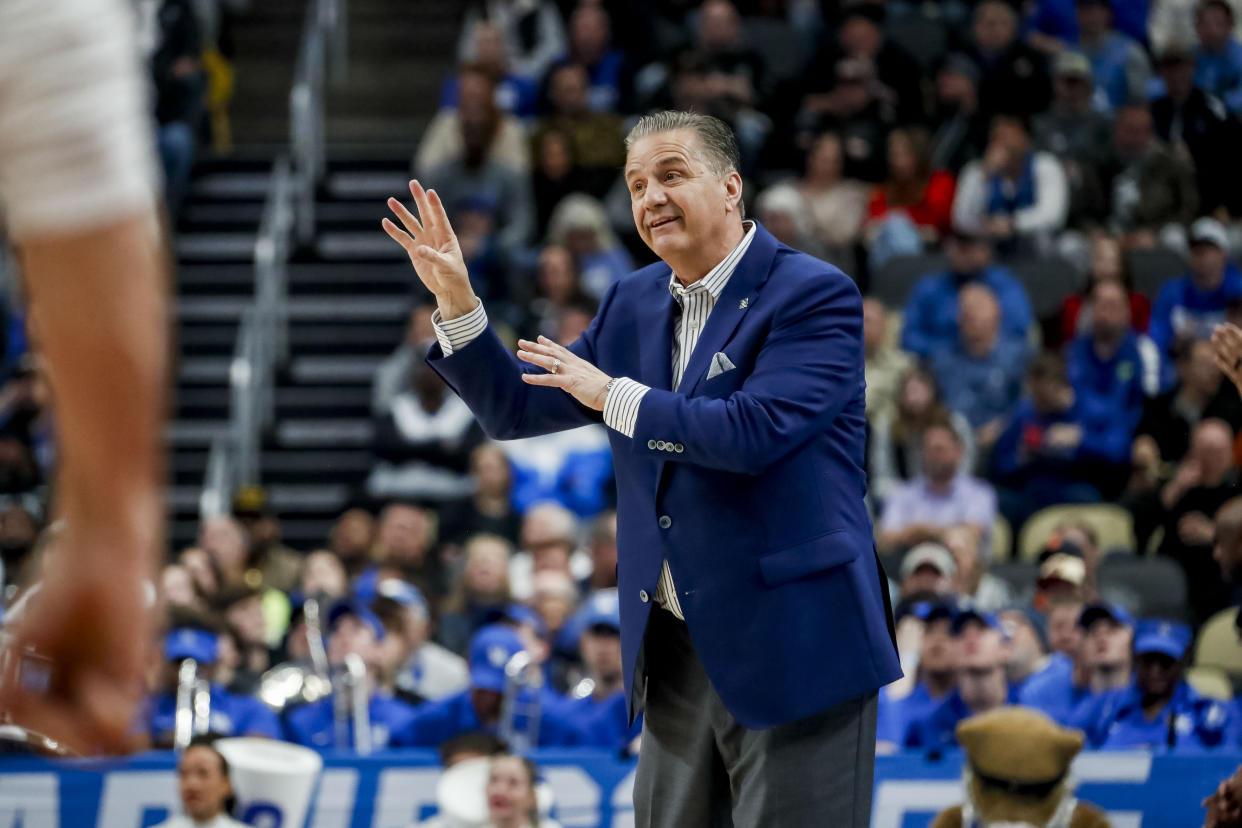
(807, 371)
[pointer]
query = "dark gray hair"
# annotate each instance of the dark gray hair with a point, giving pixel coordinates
(715, 136)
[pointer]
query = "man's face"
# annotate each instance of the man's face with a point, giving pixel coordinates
(247, 617)
(1179, 76)
(860, 37)
(940, 650)
(719, 28)
(1011, 136)
(678, 202)
(978, 315)
(995, 26)
(1072, 91)
(1157, 674)
(569, 90)
(1110, 311)
(1213, 27)
(601, 653)
(982, 678)
(968, 256)
(941, 454)
(403, 535)
(1094, 19)
(486, 567)
(1064, 634)
(1106, 643)
(926, 578)
(352, 535)
(350, 635)
(1207, 262)
(487, 704)
(1132, 131)
(588, 32)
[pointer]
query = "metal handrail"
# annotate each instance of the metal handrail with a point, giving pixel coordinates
(325, 38)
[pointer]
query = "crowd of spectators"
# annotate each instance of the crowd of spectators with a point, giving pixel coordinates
(1083, 133)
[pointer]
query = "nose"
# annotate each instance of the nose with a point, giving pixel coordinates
(655, 196)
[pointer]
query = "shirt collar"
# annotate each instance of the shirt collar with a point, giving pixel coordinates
(718, 276)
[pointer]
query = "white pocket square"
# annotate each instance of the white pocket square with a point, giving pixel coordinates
(720, 364)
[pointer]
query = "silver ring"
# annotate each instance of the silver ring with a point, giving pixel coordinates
(556, 366)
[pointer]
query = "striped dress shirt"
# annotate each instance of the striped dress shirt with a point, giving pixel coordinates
(694, 305)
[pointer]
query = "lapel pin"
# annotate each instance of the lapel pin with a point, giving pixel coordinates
(742, 305)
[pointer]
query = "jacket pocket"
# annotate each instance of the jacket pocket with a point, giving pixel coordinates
(810, 557)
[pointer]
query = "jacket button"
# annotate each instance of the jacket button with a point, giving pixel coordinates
(665, 521)
(651, 444)
(661, 445)
(643, 596)
(679, 448)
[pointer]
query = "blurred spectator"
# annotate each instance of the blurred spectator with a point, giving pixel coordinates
(1048, 453)
(574, 468)
(981, 684)
(1064, 634)
(242, 609)
(1015, 195)
(595, 137)
(1163, 433)
(278, 566)
(476, 130)
(489, 508)
(404, 544)
(324, 574)
(1061, 577)
(549, 542)
(479, 708)
(178, 590)
(392, 377)
(423, 442)
(202, 568)
(554, 595)
(512, 798)
(980, 375)
(1194, 304)
(354, 631)
(169, 37)
(1204, 480)
(896, 450)
(1197, 127)
(1107, 264)
(932, 309)
(203, 785)
(1028, 654)
(971, 554)
(934, 665)
(1227, 547)
(1159, 710)
(735, 70)
(1101, 664)
(480, 594)
(852, 109)
(1013, 75)
(885, 362)
(420, 669)
(227, 547)
(1076, 133)
(836, 206)
(939, 497)
(590, 46)
(961, 129)
(532, 31)
(603, 552)
(859, 33)
(557, 289)
(1218, 64)
(1112, 369)
(1118, 63)
(556, 174)
(782, 212)
(352, 540)
(597, 703)
(914, 205)
(515, 95)
(927, 569)
(580, 225)
(194, 637)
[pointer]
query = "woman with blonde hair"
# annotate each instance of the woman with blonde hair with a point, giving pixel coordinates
(580, 224)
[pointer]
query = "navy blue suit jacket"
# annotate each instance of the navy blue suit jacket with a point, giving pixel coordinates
(758, 470)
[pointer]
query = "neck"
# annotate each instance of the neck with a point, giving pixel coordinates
(978, 346)
(491, 504)
(699, 261)
(606, 686)
(939, 682)
(1208, 281)
(940, 484)
(1107, 345)
(1091, 40)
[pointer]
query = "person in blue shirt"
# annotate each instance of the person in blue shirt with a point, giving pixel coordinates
(1113, 370)
(1101, 664)
(1218, 60)
(231, 714)
(980, 374)
(1050, 453)
(981, 683)
(597, 704)
(1193, 305)
(1159, 711)
(931, 313)
(355, 630)
(935, 670)
(1119, 65)
(480, 708)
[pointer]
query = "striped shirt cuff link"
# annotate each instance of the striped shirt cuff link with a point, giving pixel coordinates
(456, 334)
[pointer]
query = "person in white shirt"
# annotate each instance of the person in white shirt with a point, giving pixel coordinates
(205, 790)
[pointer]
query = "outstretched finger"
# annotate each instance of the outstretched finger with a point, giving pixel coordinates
(407, 218)
(425, 211)
(547, 363)
(399, 236)
(436, 214)
(553, 380)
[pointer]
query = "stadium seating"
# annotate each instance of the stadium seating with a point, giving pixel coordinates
(1218, 645)
(1112, 524)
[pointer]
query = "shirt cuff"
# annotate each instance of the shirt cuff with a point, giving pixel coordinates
(621, 405)
(456, 334)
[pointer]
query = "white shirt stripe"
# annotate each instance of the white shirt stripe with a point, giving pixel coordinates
(695, 304)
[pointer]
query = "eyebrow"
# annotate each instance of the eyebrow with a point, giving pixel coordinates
(667, 160)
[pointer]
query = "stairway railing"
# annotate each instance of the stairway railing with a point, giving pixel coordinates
(325, 38)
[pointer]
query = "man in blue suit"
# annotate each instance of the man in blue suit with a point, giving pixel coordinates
(755, 625)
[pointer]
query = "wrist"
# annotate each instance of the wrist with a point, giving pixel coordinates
(453, 306)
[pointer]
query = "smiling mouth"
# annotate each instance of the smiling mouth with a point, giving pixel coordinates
(663, 222)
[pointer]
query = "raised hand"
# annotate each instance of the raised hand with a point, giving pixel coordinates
(434, 251)
(566, 371)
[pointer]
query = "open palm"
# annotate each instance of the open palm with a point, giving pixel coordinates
(432, 247)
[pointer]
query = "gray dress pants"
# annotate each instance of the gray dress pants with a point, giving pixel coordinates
(698, 768)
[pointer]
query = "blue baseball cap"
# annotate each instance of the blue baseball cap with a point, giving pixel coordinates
(522, 614)
(191, 642)
(359, 610)
(403, 592)
(1101, 609)
(490, 650)
(926, 611)
(603, 610)
(988, 619)
(1167, 637)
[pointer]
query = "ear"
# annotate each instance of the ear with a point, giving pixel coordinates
(733, 191)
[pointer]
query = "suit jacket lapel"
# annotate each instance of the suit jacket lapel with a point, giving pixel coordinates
(655, 339)
(739, 293)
